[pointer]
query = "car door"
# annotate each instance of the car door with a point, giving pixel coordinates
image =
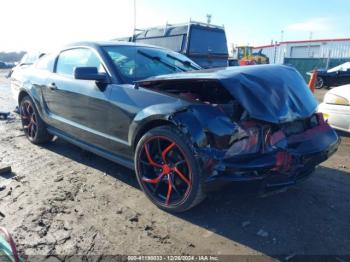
(344, 77)
(79, 108)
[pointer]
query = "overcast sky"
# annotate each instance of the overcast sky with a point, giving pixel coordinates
(46, 24)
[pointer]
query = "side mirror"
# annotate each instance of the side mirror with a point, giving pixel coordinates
(89, 73)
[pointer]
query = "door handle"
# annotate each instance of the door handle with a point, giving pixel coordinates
(53, 86)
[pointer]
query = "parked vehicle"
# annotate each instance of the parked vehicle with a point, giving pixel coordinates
(3, 65)
(205, 44)
(339, 75)
(6, 65)
(16, 72)
(185, 131)
(336, 107)
(245, 56)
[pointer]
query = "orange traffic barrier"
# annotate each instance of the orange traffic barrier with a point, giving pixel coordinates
(312, 81)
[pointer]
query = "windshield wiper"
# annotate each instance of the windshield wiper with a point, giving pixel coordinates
(157, 58)
(185, 63)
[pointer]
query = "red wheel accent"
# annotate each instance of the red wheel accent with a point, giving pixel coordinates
(167, 150)
(29, 119)
(149, 158)
(165, 171)
(182, 176)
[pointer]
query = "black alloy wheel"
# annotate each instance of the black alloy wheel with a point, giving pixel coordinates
(167, 171)
(33, 126)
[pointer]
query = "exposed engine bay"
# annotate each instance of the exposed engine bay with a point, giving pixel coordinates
(205, 92)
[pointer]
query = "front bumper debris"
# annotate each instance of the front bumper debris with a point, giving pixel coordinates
(304, 152)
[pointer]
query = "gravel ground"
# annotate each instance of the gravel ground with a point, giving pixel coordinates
(62, 201)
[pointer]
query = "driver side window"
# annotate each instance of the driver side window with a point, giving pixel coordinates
(78, 57)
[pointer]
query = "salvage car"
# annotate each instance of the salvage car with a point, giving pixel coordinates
(336, 108)
(339, 75)
(183, 130)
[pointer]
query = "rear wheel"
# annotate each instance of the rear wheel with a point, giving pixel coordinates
(33, 126)
(319, 83)
(167, 170)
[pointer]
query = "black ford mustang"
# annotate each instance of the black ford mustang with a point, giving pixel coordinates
(182, 129)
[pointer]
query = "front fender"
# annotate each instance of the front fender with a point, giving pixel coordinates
(159, 112)
(205, 125)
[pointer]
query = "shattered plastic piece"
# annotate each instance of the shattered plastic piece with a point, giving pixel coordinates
(5, 170)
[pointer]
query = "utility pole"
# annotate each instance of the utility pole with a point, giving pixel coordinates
(309, 47)
(134, 30)
(282, 35)
(275, 53)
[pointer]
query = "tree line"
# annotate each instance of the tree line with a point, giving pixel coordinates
(11, 56)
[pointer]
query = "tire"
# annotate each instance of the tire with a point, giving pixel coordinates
(164, 161)
(33, 126)
(319, 83)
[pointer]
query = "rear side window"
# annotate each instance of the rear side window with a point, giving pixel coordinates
(79, 57)
(31, 58)
(45, 63)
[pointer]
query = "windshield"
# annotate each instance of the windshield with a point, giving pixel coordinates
(204, 41)
(138, 63)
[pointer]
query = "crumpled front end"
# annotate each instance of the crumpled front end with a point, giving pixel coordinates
(254, 123)
(276, 155)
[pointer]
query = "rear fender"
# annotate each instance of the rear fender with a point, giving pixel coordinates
(34, 94)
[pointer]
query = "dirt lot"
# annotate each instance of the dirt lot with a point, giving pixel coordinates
(63, 201)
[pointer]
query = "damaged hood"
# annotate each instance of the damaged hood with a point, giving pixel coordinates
(272, 93)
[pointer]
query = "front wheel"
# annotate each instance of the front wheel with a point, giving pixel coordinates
(167, 170)
(319, 83)
(33, 126)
